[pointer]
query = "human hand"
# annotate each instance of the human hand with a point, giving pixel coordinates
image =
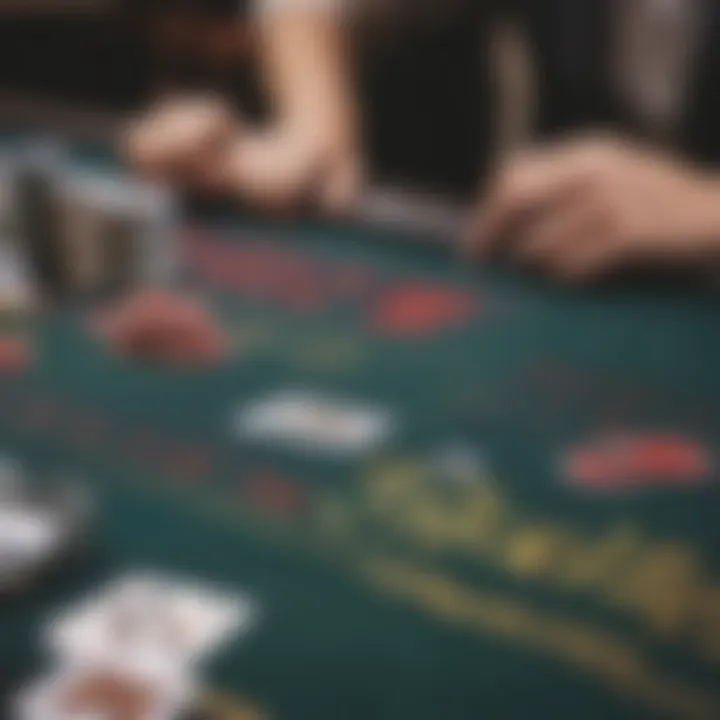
(285, 167)
(182, 140)
(582, 209)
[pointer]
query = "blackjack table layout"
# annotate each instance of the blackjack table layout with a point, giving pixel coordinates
(495, 498)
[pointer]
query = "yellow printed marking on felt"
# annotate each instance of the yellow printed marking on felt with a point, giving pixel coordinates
(329, 353)
(221, 706)
(533, 551)
(328, 350)
(611, 660)
(665, 585)
(248, 338)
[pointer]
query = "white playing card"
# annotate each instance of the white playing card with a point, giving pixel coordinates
(316, 423)
(152, 619)
(63, 695)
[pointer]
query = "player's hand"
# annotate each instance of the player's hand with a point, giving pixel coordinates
(162, 328)
(283, 168)
(585, 208)
(182, 140)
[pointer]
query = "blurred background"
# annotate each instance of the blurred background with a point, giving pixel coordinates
(435, 103)
(114, 53)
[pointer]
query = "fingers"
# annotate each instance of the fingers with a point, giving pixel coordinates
(523, 187)
(592, 259)
(281, 174)
(574, 242)
(527, 185)
(556, 233)
(197, 142)
(270, 172)
(341, 187)
(181, 140)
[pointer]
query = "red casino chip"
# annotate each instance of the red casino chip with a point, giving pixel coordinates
(15, 355)
(162, 328)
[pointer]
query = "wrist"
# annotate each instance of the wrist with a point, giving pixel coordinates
(309, 73)
(326, 128)
(707, 212)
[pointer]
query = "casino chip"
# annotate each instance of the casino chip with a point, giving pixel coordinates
(15, 355)
(159, 327)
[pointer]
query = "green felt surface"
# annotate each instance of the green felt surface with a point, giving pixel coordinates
(387, 585)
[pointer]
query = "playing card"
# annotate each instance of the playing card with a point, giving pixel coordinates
(152, 620)
(316, 423)
(85, 692)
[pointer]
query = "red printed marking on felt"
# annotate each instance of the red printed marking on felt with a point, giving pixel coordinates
(85, 428)
(411, 310)
(656, 459)
(145, 446)
(296, 280)
(41, 414)
(350, 281)
(261, 273)
(274, 494)
(189, 464)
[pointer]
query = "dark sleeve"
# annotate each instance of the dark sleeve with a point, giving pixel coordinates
(88, 58)
(183, 41)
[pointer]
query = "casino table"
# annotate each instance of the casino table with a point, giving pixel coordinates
(536, 535)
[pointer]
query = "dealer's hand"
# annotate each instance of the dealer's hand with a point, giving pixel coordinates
(287, 166)
(183, 140)
(585, 208)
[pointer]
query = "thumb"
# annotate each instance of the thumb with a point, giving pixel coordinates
(341, 185)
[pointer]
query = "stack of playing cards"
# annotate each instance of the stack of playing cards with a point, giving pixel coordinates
(79, 232)
(117, 232)
(134, 650)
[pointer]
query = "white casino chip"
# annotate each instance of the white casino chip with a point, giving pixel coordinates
(319, 424)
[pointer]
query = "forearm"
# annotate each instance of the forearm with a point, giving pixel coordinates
(705, 217)
(307, 65)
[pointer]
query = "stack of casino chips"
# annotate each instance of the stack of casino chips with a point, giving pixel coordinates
(80, 232)
(15, 283)
(37, 217)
